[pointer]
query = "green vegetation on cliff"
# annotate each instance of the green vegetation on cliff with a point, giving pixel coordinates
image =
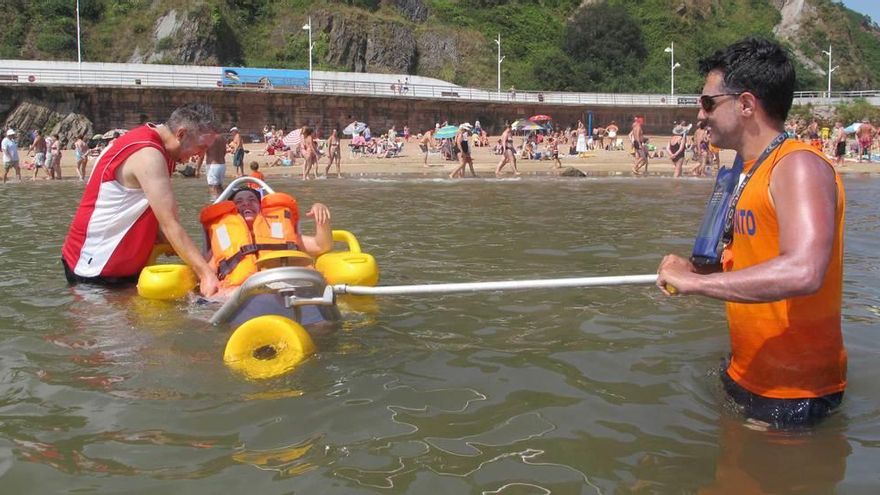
(589, 45)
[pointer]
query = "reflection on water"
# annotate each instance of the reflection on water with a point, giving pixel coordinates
(607, 390)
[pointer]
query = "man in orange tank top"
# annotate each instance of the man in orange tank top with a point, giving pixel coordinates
(782, 269)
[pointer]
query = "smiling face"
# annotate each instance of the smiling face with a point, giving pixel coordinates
(723, 117)
(192, 142)
(247, 202)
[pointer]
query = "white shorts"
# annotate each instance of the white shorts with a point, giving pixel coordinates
(216, 172)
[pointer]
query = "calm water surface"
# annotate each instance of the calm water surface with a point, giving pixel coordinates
(611, 390)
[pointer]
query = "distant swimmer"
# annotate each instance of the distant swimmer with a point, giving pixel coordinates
(128, 199)
(781, 273)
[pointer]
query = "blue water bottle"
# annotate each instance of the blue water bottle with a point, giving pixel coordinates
(707, 245)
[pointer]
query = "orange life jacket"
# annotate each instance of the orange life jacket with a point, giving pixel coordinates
(792, 348)
(235, 248)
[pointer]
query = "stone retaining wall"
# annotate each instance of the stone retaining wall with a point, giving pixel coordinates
(109, 108)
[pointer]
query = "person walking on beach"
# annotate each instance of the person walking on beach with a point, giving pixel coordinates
(554, 152)
(676, 150)
(334, 153)
(236, 149)
(38, 148)
(55, 157)
(781, 273)
(309, 152)
(640, 155)
(509, 154)
(426, 143)
(215, 157)
(612, 131)
(128, 199)
(462, 142)
(9, 148)
(581, 139)
(701, 149)
(865, 137)
(81, 153)
(839, 137)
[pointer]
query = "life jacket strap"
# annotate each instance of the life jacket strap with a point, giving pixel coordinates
(226, 266)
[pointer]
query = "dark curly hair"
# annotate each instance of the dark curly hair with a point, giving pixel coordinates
(759, 66)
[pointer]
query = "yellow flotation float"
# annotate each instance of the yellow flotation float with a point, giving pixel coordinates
(174, 281)
(267, 346)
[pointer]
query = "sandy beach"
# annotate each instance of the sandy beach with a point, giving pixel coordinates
(410, 163)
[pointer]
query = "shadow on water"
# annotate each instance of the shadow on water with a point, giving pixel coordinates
(607, 390)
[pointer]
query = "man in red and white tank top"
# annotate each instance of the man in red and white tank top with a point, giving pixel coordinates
(128, 198)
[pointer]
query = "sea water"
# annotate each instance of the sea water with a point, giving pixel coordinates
(605, 390)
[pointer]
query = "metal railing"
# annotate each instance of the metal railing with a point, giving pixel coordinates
(200, 77)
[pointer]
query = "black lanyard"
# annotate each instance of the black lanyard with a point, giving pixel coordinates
(727, 237)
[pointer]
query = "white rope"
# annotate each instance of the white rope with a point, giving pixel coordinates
(549, 283)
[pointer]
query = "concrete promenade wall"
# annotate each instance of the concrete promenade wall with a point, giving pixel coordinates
(250, 110)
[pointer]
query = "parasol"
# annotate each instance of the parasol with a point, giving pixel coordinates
(109, 134)
(446, 132)
(293, 139)
(526, 125)
(354, 128)
(540, 118)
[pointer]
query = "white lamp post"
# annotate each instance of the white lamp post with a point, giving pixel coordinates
(672, 66)
(830, 69)
(78, 44)
(308, 27)
(500, 59)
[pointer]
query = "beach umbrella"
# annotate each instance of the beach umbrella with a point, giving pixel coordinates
(109, 134)
(526, 125)
(852, 128)
(293, 139)
(354, 128)
(446, 132)
(540, 118)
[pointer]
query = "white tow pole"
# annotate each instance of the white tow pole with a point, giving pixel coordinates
(547, 283)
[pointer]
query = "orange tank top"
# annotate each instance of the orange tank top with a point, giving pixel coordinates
(792, 348)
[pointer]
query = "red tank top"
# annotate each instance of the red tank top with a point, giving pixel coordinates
(114, 229)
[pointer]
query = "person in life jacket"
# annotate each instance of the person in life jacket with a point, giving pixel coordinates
(782, 267)
(247, 233)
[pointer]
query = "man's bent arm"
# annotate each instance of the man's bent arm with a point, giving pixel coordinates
(150, 173)
(803, 190)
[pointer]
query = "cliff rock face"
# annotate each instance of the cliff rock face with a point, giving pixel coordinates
(182, 38)
(360, 44)
(52, 118)
(414, 10)
(391, 47)
(437, 50)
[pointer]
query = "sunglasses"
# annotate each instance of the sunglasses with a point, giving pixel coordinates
(708, 101)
